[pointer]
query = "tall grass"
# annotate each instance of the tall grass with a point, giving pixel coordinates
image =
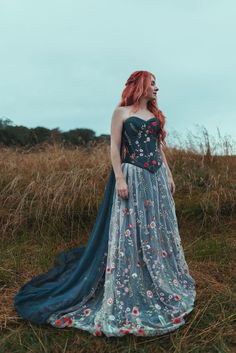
(49, 198)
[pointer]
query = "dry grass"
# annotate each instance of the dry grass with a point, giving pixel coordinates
(49, 200)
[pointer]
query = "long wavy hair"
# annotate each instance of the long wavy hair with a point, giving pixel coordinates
(135, 87)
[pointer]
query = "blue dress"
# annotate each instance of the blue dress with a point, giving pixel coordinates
(132, 277)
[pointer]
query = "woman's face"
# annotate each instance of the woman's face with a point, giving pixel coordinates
(152, 89)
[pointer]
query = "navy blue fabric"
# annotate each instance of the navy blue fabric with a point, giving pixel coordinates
(63, 285)
(140, 143)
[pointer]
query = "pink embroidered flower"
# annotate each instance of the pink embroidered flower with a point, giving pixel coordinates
(68, 321)
(164, 253)
(126, 289)
(87, 312)
(98, 333)
(109, 301)
(152, 224)
(154, 162)
(149, 294)
(125, 331)
(176, 320)
(130, 225)
(176, 297)
(141, 331)
(146, 164)
(58, 323)
(135, 311)
(154, 123)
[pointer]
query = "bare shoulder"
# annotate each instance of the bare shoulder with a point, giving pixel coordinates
(119, 114)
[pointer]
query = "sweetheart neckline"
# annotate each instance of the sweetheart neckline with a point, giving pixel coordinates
(134, 116)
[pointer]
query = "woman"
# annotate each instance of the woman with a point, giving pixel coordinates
(132, 277)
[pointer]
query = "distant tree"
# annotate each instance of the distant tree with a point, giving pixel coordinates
(103, 138)
(39, 134)
(23, 136)
(79, 136)
(5, 122)
(14, 135)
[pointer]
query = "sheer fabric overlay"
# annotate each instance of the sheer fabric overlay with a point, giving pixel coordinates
(146, 288)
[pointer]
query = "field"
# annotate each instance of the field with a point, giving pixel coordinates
(49, 197)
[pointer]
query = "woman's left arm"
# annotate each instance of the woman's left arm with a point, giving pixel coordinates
(165, 161)
(170, 177)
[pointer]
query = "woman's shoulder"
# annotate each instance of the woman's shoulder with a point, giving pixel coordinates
(122, 111)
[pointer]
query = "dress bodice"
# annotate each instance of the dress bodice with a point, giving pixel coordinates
(140, 143)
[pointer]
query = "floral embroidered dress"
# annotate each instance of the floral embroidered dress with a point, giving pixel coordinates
(132, 277)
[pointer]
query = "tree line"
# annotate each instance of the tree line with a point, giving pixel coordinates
(13, 135)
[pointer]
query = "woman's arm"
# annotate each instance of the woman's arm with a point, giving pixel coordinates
(169, 174)
(116, 132)
(116, 129)
(165, 161)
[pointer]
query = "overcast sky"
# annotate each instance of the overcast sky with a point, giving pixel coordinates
(64, 63)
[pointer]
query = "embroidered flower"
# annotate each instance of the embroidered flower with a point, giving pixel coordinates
(141, 332)
(132, 156)
(154, 123)
(68, 321)
(130, 225)
(176, 320)
(109, 301)
(127, 233)
(135, 311)
(87, 312)
(134, 275)
(126, 289)
(177, 297)
(98, 333)
(108, 270)
(146, 164)
(149, 294)
(154, 162)
(152, 224)
(58, 323)
(164, 253)
(125, 331)
(175, 282)
(125, 210)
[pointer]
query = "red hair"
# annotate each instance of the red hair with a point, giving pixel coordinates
(137, 86)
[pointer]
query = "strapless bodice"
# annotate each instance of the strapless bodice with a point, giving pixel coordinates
(140, 143)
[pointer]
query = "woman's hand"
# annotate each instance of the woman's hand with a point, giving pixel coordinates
(122, 188)
(171, 184)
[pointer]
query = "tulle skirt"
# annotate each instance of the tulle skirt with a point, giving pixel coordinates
(146, 288)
